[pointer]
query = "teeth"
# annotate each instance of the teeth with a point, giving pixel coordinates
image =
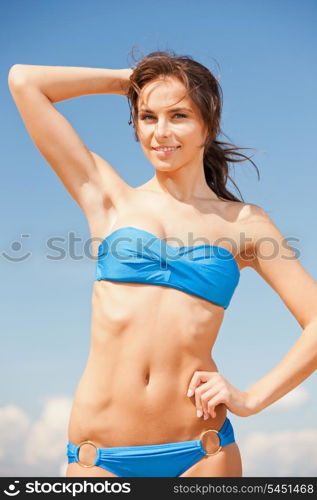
(165, 149)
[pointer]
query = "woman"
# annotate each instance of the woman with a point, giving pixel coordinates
(151, 401)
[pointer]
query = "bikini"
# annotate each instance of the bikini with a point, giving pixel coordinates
(133, 255)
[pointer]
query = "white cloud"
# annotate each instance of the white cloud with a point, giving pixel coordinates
(14, 425)
(293, 399)
(48, 435)
(277, 454)
(35, 448)
(62, 469)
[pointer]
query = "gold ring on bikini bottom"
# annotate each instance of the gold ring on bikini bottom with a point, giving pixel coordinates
(220, 447)
(80, 444)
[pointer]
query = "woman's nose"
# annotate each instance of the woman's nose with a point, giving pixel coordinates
(162, 128)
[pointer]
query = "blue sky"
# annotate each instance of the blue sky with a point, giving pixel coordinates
(263, 54)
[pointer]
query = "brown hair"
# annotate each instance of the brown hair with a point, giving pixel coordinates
(205, 91)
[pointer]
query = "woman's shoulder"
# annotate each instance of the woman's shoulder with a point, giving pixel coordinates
(249, 219)
(248, 212)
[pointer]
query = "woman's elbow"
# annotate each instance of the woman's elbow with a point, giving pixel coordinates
(17, 76)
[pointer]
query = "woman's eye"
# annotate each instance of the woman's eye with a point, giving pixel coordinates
(181, 115)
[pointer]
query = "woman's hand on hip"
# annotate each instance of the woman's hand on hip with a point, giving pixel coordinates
(211, 389)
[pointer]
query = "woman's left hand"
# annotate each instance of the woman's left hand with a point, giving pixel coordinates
(211, 389)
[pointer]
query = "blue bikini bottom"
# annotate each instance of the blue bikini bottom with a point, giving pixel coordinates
(154, 460)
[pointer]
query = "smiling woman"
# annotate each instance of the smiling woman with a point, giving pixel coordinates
(196, 119)
(151, 401)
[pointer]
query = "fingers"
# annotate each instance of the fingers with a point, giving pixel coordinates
(203, 388)
(211, 389)
(196, 380)
(199, 393)
(208, 403)
(212, 403)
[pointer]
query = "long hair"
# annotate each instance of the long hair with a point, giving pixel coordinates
(205, 91)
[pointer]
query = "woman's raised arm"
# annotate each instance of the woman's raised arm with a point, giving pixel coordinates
(88, 178)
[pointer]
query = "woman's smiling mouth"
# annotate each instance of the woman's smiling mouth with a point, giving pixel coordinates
(166, 150)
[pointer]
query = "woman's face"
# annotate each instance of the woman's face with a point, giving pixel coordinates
(169, 118)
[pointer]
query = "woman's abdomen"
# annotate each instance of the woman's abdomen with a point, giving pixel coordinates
(118, 407)
(134, 388)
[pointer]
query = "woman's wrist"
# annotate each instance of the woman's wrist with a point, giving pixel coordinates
(125, 82)
(252, 403)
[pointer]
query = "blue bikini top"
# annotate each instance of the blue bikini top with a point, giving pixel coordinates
(130, 254)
